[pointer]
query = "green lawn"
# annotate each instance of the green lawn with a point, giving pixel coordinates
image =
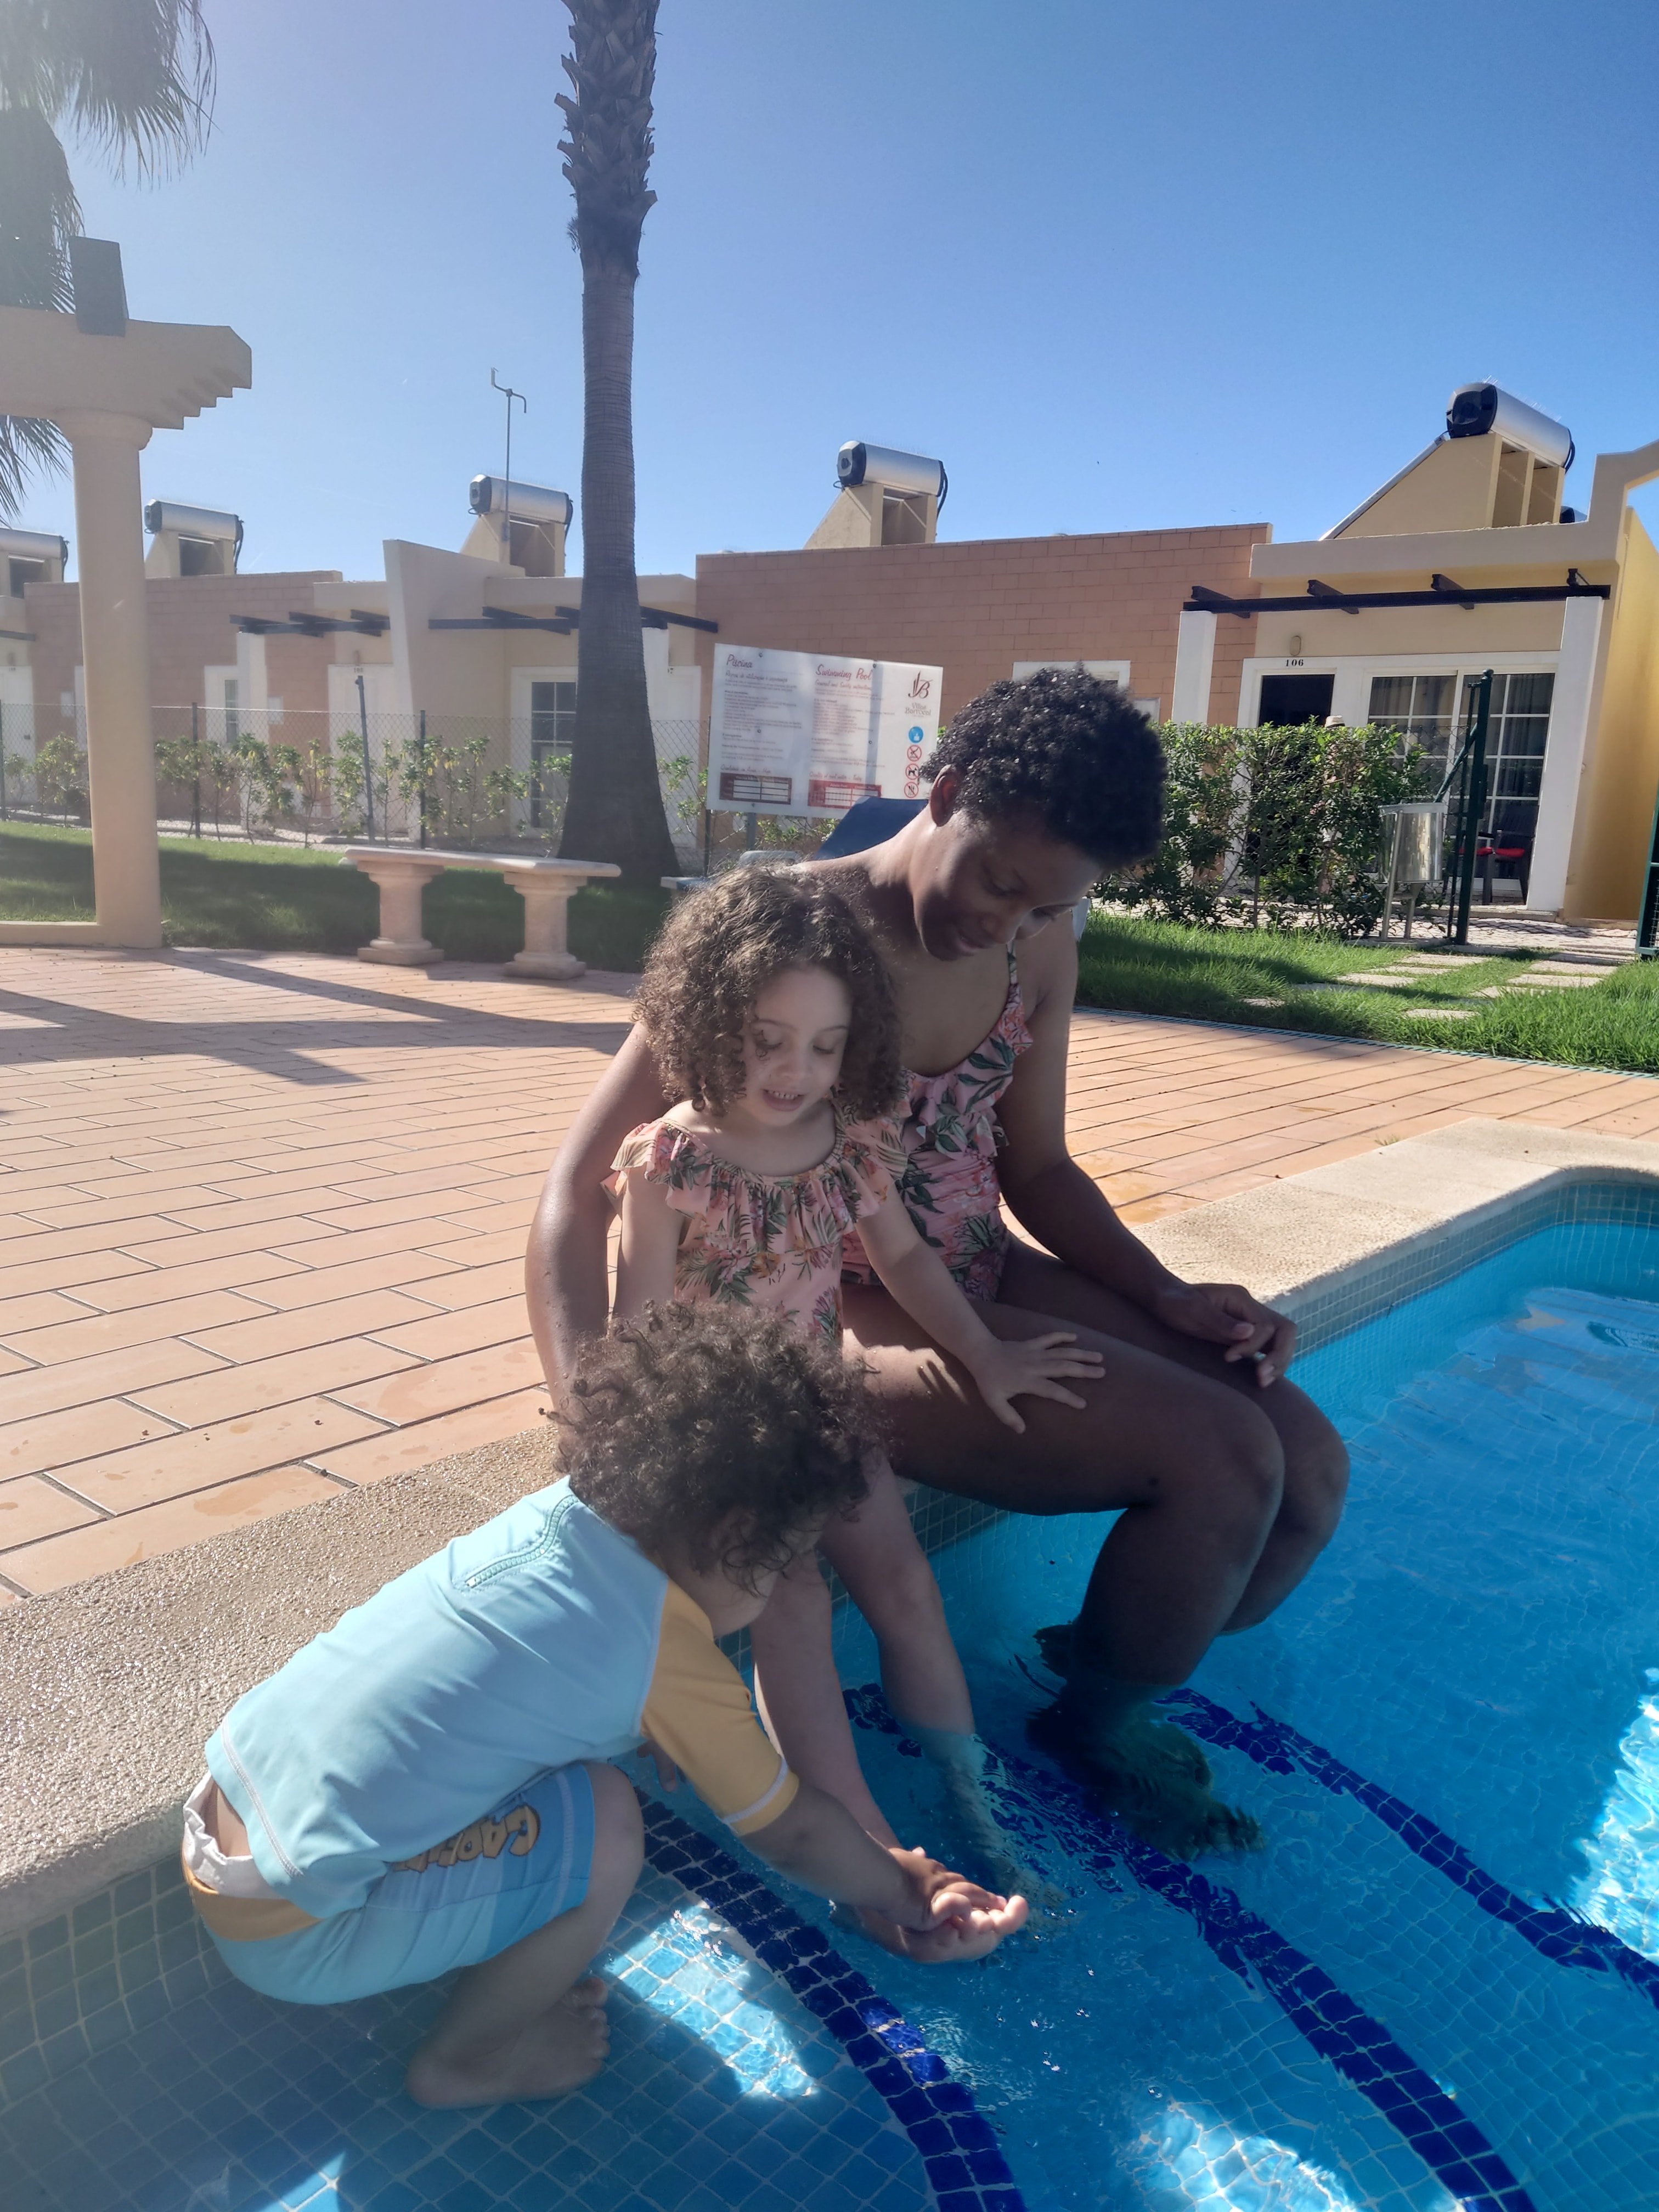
(1157, 967)
(276, 899)
(269, 898)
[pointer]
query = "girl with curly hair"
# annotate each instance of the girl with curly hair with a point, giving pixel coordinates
(771, 1018)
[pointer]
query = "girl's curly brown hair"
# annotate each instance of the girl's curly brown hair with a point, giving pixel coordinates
(717, 1430)
(718, 952)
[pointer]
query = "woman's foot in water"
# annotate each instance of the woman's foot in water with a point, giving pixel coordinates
(1151, 1774)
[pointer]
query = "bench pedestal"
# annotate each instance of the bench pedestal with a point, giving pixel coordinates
(546, 957)
(400, 878)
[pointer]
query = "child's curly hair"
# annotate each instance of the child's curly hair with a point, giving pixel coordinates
(718, 952)
(692, 1424)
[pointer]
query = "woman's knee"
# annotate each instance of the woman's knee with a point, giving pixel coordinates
(618, 1833)
(1242, 1460)
(1316, 1469)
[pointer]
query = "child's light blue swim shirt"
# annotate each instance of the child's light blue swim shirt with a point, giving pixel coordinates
(544, 1638)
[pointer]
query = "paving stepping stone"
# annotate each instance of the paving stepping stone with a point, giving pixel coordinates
(1426, 960)
(1442, 1014)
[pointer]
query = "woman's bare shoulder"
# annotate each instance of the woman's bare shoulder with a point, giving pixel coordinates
(1047, 967)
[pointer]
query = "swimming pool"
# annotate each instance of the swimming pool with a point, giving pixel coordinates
(1437, 1985)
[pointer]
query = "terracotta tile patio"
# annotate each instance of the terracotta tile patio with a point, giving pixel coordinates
(261, 1217)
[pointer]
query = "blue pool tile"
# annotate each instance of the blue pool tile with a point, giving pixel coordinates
(498, 2170)
(51, 1935)
(887, 2149)
(396, 2197)
(434, 2180)
(697, 2198)
(767, 2196)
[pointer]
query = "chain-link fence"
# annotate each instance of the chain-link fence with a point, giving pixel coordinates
(450, 780)
(457, 781)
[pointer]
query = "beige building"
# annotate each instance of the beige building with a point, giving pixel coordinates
(1466, 560)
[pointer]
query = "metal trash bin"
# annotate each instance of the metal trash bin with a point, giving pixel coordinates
(1416, 835)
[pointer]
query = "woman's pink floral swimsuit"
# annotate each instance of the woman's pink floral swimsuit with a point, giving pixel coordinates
(765, 1241)
(948, 1181)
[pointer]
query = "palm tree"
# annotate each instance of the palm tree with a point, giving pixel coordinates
(129, 77)
(614, 810)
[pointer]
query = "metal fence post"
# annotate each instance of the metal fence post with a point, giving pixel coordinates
(2, 765)
(196, 762)
(422, 786)
(1647, 926)
(1474, 803)
(368, 765)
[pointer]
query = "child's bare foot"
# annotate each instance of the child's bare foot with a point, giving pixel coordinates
(550, 2056)
(1152, 1775)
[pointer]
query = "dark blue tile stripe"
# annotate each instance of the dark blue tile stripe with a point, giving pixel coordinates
(1442, 2135)
(1553, 1930)
(957, 2144)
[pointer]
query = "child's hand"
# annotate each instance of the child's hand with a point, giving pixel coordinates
(945, 1916)
(1029, 1368)
(667, 1773)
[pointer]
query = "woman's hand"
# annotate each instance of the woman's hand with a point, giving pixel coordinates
(1015, 1369)
(1225, 1313)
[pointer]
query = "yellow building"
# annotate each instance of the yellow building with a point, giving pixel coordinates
(1466, 561)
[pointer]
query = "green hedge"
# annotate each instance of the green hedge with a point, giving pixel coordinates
(1272, 827)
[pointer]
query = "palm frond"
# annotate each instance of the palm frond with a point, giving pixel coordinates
(39, 216)
(613, 68)
(26, 446)
(132, 77)
(38, 213)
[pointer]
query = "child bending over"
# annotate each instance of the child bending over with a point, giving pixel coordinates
(424, 1787)
(770, 1015)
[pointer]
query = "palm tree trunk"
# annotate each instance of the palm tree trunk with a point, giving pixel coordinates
(614, 810)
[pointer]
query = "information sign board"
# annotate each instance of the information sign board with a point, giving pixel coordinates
(813, 732)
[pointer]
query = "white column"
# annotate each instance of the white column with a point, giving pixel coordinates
(1564, 761)
(253, 685)
(115, 650)
(1194, 662)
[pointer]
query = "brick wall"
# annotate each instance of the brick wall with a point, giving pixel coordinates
(191, 628)
(975, 608)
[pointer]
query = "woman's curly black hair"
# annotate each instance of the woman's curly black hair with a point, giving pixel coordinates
(719, 1430)
(1067, 752)
(718, 952)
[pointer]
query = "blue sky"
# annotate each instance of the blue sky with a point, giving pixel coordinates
(1120, 266)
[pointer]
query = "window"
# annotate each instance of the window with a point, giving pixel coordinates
(1516, 739)
(24, 572)
(232, 712)
(1421, 709)
(552, 728)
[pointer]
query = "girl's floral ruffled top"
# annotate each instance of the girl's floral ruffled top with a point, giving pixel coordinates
(770, 1242)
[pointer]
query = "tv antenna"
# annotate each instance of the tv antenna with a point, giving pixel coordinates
(509, 395)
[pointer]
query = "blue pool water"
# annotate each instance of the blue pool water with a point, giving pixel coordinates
(1438, 1986)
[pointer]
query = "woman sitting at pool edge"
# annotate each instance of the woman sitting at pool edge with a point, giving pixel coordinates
(1231, 1479)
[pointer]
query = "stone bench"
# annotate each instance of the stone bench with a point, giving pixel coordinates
(401, 873)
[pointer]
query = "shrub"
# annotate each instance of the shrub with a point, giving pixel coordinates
(1275, 826)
